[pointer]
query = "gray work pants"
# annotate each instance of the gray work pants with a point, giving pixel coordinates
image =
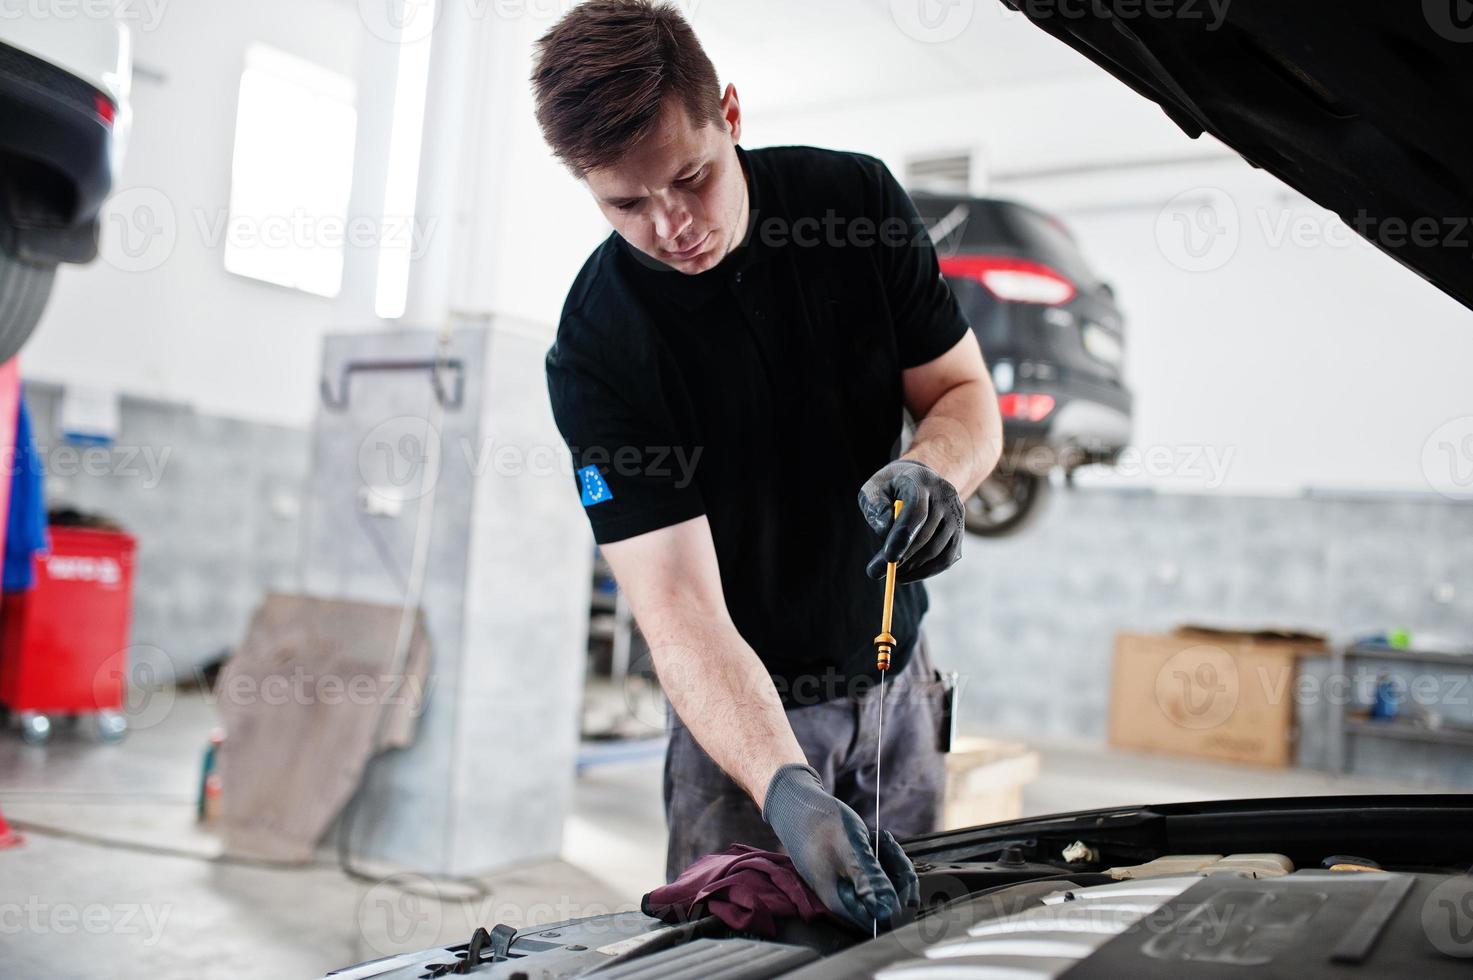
(706, 811)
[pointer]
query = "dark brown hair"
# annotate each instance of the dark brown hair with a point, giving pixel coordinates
(602, 74)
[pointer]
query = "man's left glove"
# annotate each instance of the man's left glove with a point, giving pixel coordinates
(835, 854)
(927, 537)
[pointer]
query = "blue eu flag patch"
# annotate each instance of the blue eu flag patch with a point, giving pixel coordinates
(595, 490)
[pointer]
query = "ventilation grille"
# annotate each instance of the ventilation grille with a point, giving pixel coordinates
(946, 174)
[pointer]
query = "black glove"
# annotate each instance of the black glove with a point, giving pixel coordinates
(928, 536)
(902, 874)
(831, 849)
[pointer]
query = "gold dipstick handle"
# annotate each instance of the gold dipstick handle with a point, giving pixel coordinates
(885, 642)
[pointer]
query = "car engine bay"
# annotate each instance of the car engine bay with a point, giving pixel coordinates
(1358, 886)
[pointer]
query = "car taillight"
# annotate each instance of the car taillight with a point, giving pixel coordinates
(105, 109)
(1013, 279)
(1027, 407)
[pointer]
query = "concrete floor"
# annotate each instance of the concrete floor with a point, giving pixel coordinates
(74, 907)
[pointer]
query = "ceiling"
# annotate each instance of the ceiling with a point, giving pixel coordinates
(792, 54)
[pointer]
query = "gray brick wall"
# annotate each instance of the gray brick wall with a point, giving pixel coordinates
(214, 503)
(1030, 621)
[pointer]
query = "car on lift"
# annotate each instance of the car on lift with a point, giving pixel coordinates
(1054, 338)
(1359, 112)
(64, 118)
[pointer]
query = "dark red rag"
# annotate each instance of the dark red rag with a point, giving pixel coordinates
(748, 889)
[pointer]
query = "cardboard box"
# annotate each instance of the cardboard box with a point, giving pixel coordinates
(1211, 693)
(984, 782)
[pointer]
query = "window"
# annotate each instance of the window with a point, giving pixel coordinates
(292, 173)
(391, 294)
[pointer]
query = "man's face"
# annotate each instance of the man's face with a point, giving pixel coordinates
(679, 196)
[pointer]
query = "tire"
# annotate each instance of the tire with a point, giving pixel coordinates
(24, 289)
(112, 727)
(1006, 503)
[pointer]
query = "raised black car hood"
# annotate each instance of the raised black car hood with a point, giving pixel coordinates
(1361, 105)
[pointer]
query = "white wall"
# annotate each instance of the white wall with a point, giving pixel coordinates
(173, 323)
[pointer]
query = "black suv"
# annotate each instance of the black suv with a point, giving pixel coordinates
(1053, 336)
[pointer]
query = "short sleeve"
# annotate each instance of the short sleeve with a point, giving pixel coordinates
(928, 321)
(631, 473)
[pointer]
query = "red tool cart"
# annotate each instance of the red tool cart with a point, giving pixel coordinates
(63, 644)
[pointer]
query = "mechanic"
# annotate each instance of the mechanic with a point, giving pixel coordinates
(730, 368)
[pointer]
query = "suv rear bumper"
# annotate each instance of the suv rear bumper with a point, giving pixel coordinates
(55, 160)
(1090, 423)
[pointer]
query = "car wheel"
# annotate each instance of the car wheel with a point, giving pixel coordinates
(112, 727)
(1006, 503)
(35, 728)
(24, 289)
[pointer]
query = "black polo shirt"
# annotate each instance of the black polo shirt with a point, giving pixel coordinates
(763, 393)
